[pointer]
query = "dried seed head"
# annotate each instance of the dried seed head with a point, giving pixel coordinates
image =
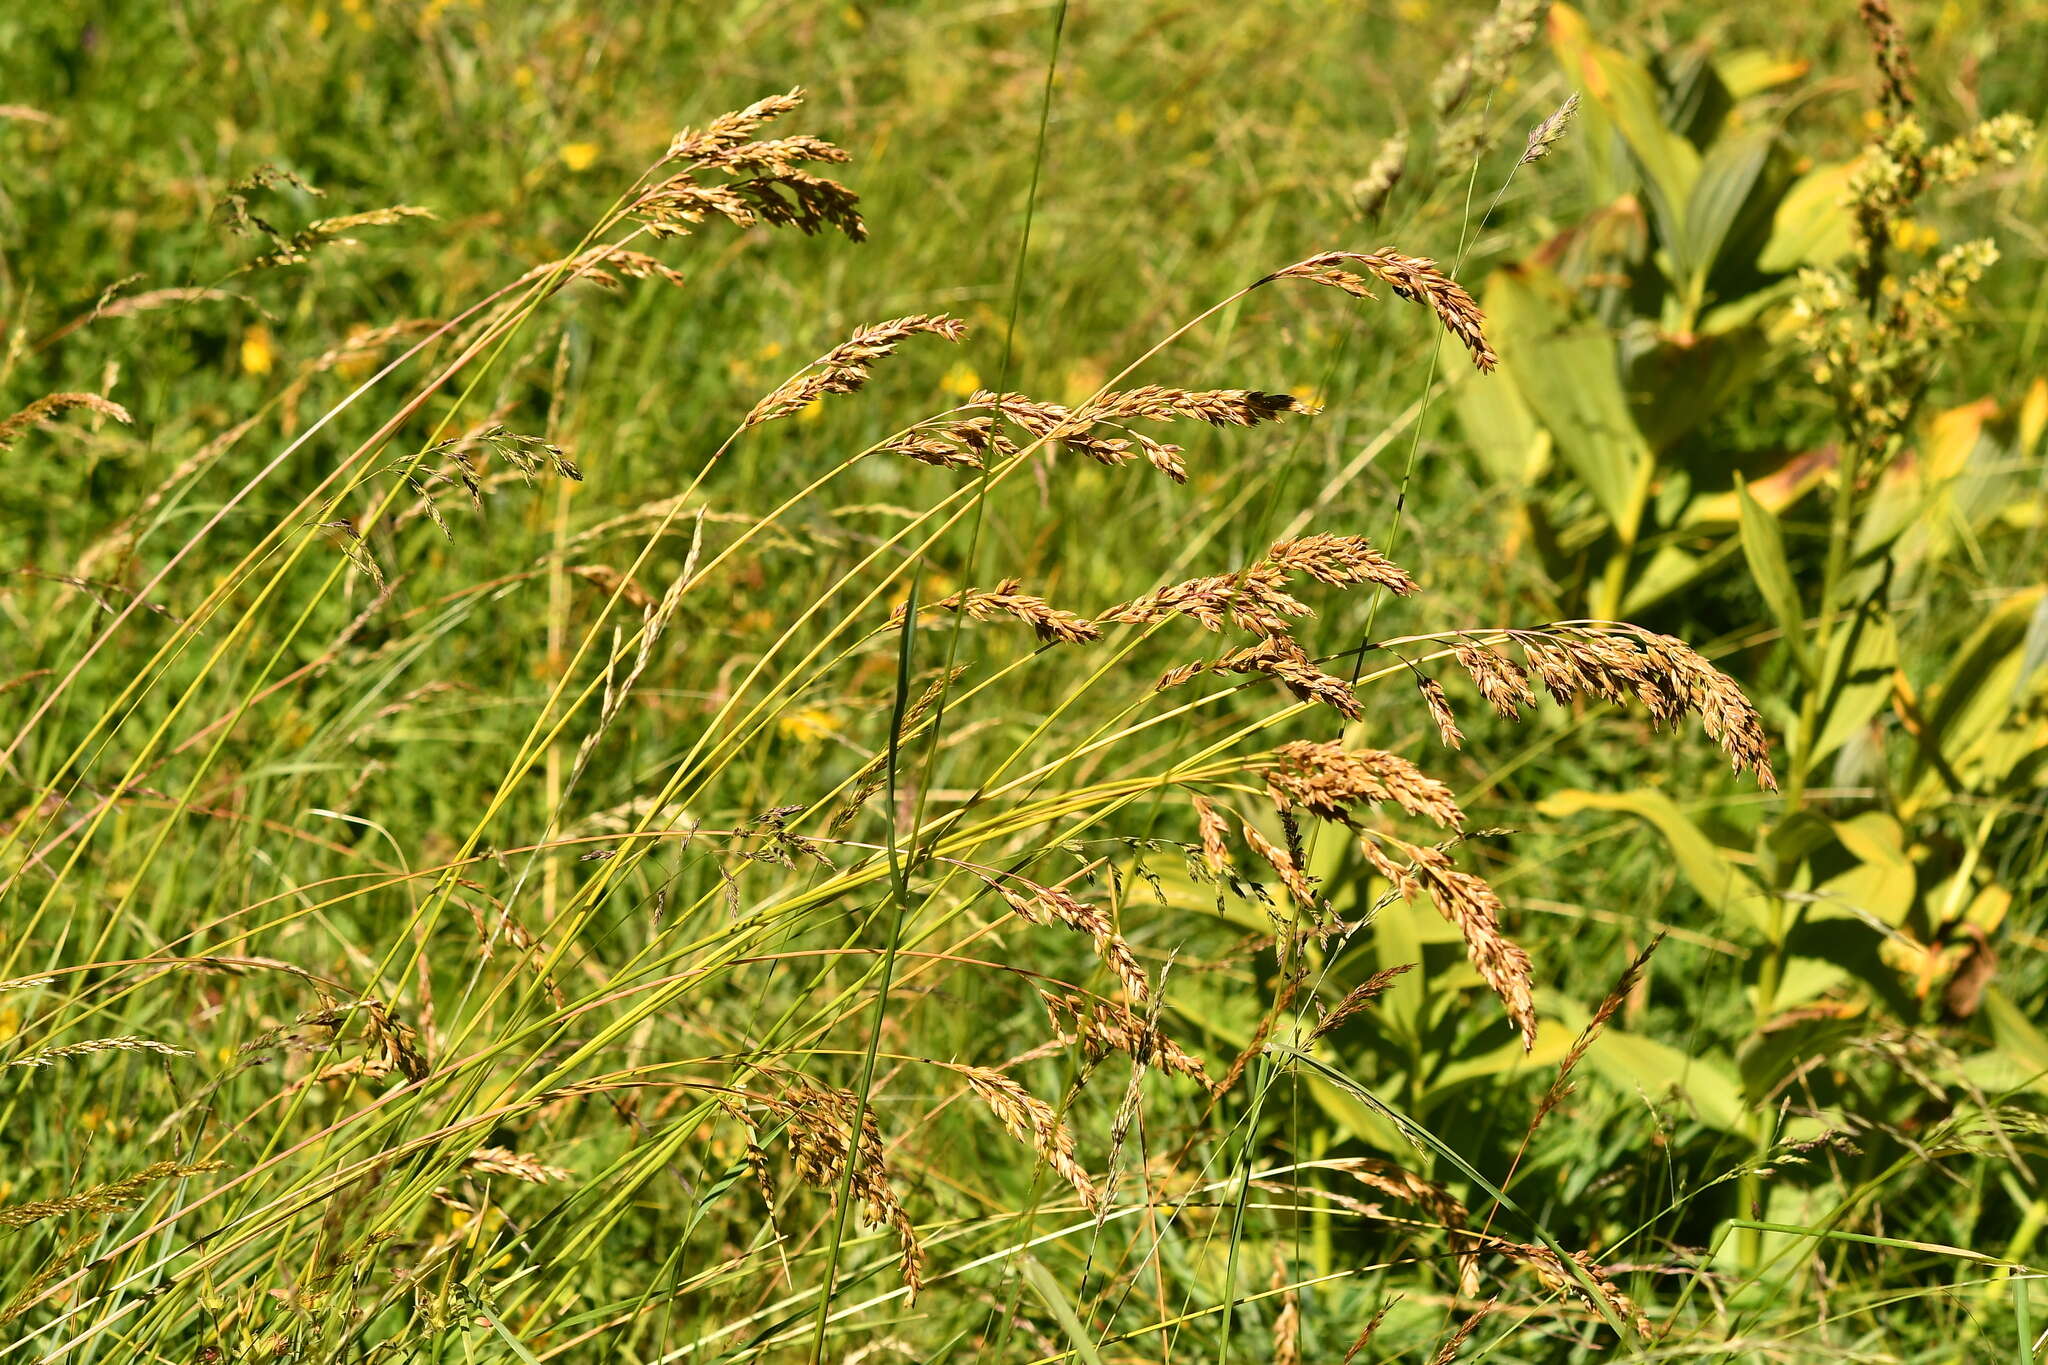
(1341, 561)
(50, 1056)
(1438, 1202)
(518, 1165)
(1032, 1122)
(55, 404)
(952, 444)
(1560, 1279)
(1327, 780)
(1291, 876)
(1370, 194)
(1102, 1027)
(821, 1120)
(1050, 905)
(1051, 625)
(1361, 995)
(1253, 599)
(1282, 658)
(1474, 909)
(1546, 134)
(1073, 429)
(1609, 1007)
(1415, 278)
(1500, 680)
(847, 366)
(1666, 675)
(772, 187)
(111, 1197)
(1440, 711)
(1215, 835)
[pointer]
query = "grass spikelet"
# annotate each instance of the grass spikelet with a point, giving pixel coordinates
(1440, 711)
(1666, 675)
(1291, 876)
(847, 367)
(1360, 996)
(111, 1197)
(50, 1056)
(769, 184)
(1415, 278)
(1101, 1027)
(1448, 1352)
(1550, 131)
(1369, 195)
(1051, 625)
(518, 1165)
(1550, 1268)
(1287, 1323)
(1047, 905)
(1282, 658)
(1327, 780)
(874, 775)
(1254, 599)
(342, 533)
(1032, 1122)
(54, 405)
(1397, 1182)
(1474, 908)
(1073, 429)
(1341, 562)
(820, 1120)
(960, 444)
(1561, 1086)
(1215, 831)
(325, 232)
(1372, 1327)
(1500, 680)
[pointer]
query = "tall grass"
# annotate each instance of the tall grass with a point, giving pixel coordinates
(1009, 875)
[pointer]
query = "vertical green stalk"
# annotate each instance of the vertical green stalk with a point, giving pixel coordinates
(899, 900)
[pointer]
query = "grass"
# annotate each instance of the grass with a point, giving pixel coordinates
(534, 849)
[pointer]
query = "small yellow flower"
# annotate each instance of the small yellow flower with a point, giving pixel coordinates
(1413, 11)
(770, 350)
(811, 411)
(319, 22)
(808, 726)
(256, 353)
(358, 363)
(960, 381)
(1126, 123)
(579, 156)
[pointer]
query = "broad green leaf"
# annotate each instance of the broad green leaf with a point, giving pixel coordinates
(1727, 177)
(1977, 695)
(2016, 1037)
(2034, 652)
(1751, 71)
(1812, 226)
(1763, 545)
(1636, 1063)
(1719, 882)
(1856, 678)
(1566, 372)
(1502, 431)
(1627, 94)
(1047, 1286)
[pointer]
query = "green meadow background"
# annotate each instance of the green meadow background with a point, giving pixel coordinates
(422, 932)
